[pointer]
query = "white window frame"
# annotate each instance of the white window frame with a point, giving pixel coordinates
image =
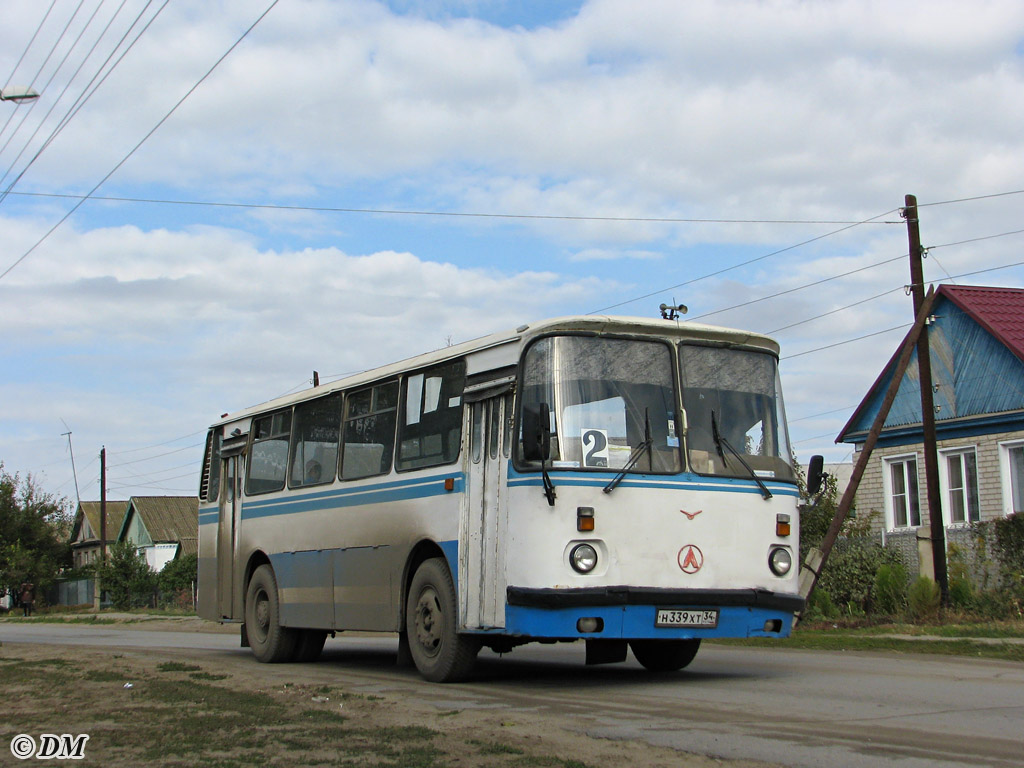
(947, 493)
(1005, 475)
(890, 511)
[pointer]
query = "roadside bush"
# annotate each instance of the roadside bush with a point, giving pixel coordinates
(890, 589)
(924, 599)
(961, 588)
(127, 578)
(849, 573)
(820, 606)
(1009, 550)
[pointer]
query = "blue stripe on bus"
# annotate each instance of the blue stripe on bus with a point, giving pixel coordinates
(637, 621)
(663, 482)
(352, 496)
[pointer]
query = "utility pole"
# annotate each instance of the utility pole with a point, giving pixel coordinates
(924, 361)
(103, 504)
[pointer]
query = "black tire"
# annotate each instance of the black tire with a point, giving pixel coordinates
(440, 653)
(270, 642)
(309, 645)
(664, 655)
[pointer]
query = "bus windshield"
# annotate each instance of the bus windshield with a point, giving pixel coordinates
(609, 400)
(732, 397)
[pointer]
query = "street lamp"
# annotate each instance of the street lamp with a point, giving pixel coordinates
(18, 93)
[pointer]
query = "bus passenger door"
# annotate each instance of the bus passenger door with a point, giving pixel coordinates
(227, 537)
(484, 518)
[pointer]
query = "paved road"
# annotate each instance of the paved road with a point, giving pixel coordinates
(797, 708)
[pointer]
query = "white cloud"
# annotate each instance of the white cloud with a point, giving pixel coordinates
(654, 109)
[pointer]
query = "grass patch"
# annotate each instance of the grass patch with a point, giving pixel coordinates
(847, 640)
(207, 676)
(496, 748)
(177, 666)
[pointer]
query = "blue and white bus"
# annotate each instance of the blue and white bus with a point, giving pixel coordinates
(625, 482)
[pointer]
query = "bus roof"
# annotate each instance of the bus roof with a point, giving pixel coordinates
(601, 324)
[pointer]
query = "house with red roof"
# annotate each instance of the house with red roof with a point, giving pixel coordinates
(976, 337)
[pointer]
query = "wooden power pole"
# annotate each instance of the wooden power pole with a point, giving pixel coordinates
(931, 454)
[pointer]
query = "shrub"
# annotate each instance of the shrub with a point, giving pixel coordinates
(127, 578)
(924, 599)
(961, 592)
(1009, 549)
(890, 589)
(849, 573)
(820, 606)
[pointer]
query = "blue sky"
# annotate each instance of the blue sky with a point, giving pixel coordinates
(623, 155)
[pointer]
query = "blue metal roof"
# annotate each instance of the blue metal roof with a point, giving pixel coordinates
(978, 383)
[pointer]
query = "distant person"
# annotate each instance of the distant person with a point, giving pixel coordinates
(28, 597)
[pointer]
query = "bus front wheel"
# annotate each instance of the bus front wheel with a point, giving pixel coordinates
(664, 655)
(270, 642)
(440, 653)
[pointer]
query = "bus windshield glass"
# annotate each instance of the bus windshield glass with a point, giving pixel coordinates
(608, 400)
(733, 404)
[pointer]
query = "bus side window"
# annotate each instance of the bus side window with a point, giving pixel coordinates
(430, 429)
(369, 431)
(268, 459)
(209, 484)
(315, 435)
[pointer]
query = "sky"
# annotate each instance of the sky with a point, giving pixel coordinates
(206, 203)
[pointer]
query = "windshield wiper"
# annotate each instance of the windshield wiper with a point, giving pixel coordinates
(720, 441)
(634, 457)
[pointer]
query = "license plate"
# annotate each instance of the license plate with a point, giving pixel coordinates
(686, 617)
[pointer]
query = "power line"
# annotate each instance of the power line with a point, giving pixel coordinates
(86, 93)
(800, 288)
(142, 141)
(834, 311)
(464, 214)
(976, 239)
(742, 264)
(848, 341)
(972, 199)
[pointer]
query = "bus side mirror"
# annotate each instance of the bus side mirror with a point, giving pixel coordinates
(537, 432)
(815, 474)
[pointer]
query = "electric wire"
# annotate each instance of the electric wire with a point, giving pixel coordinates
(39, 72)
(847, 341)
(48, 83)
(86, 94)
(142, 141)
(741, 264)
(799, 288)
(971, 199)
(454, 214)
(976, 239)
(31, 41)
(835, 311)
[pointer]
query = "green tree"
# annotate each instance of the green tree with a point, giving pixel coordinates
(176, 580)
(127, 578)
(32, 547)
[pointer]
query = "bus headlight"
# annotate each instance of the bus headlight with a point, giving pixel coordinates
(780, 561)
(583, 558)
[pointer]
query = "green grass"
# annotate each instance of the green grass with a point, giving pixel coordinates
(177, 666)
(178, 714)
(876, 639)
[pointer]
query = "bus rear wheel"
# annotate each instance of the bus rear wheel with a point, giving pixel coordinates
(664, 655)
(440, 653)
(270, 642)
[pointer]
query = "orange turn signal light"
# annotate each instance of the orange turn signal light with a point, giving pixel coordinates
(584, 519)
(782, 526)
